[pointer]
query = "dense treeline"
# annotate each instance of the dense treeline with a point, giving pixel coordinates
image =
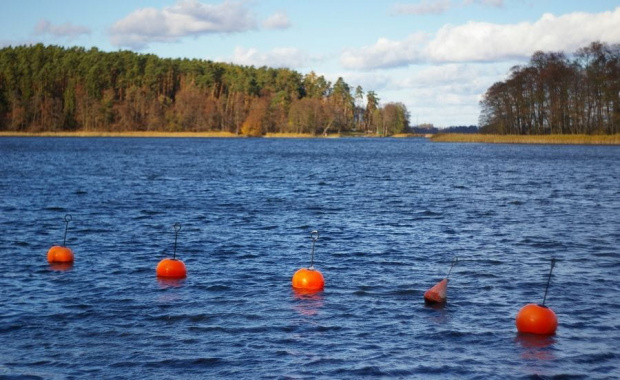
(557, 95)
(51, 88)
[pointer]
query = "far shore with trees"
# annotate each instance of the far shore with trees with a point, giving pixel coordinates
(66, 90)
(558, 94)
(56, 91)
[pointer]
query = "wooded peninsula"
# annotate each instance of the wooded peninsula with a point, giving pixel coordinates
(73, 91)
(56, 89)
(555, 94)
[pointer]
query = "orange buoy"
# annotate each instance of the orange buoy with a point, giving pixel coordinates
(58, 254)
(536, 319)
(172, 268)
(61, 254)
(438, 293)
(309, 278)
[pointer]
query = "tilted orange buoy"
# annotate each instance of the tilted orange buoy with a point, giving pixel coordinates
(438, 293)
(61, 254)
(172, 268)
(538, 319)
(309, 278)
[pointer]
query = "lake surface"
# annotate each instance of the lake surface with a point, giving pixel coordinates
(392, 214)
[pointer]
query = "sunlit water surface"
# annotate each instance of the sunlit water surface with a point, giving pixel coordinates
(392, 214)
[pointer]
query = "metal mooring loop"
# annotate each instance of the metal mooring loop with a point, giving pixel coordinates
(67, 220)
(315, 236)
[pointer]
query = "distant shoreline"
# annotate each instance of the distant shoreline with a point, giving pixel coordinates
(187, 135)
(529, 139)
(447, 137)
(116, 134)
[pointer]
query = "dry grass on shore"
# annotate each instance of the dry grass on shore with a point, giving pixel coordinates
(408, 135)
(529, 139)
(290, 135)
(156, 134)
(442, 137)
(116, 134)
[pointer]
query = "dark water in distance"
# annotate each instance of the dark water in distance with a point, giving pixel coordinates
(392, 214)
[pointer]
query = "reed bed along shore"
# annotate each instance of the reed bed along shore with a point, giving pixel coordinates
(441, 137)
(529, 139)
(294, 135)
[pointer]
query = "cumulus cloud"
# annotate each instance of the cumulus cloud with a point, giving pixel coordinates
(488, 42)
(493, 3)
(385, 53)
(185, 18)
(490, 3)
(479, 41)
(423, 8)
(469, 78)
(66, 30)
(277, 21)
(437, 7)
(278, 57)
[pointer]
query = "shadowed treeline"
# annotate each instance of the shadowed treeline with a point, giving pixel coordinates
(555, 94)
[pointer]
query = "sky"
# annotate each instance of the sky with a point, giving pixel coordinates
(438, 57)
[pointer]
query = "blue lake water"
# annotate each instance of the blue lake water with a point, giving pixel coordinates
(392, 214)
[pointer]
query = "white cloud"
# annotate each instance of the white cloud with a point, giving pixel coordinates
(437, 7)
(185, 18)
(490, 3)
(66, 30)
(277, 21)
(493, 3)
(278, 57)
(479, 41)
(423, 8)
(488, 42)
(444, 95)
(449, 85)
(385, 53)
(462, 78)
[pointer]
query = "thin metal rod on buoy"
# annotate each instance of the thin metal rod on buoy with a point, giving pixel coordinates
(67, 220)
(548, 280)
(315, 236)
(454, 261)
(177, 228)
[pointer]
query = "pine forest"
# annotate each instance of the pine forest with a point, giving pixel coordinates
(54, 89)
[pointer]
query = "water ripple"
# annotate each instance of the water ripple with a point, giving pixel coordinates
(392, 215)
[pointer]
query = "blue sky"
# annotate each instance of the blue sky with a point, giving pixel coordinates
(437, 57)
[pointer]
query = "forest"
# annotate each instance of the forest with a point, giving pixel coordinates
(557, 94)
(57, 89)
